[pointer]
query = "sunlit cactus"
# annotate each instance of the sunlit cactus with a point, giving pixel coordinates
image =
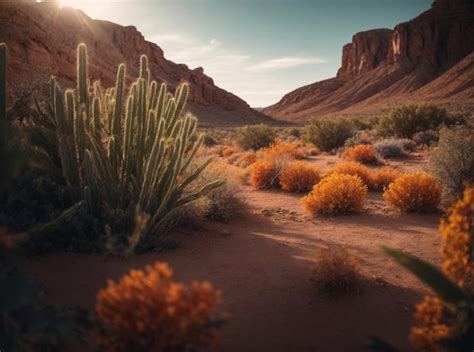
(127, 150)
(3, 80)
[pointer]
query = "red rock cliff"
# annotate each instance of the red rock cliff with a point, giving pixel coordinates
(367, 50)
(438, 38)
(42, 40)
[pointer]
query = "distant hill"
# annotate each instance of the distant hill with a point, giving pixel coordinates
(427, 59)
(42, 40)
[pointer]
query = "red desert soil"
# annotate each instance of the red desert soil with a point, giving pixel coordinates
(261, 262)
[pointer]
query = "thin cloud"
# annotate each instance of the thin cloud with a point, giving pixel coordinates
(284, 62)
(233, 70)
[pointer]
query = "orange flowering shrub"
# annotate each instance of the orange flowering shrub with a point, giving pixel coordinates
(381, 178)
(283, 149)
(362, 153)
(415, 191)
(265, 174)
(457, 234)
(147, 311)
(430, 314)
(336, 194)
(299, 176)
(228, 151)
(435, 321)
(352, 168)
(336, 272)
(247, 159)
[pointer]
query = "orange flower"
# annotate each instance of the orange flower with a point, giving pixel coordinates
(352, 168)
(415, 191)
(147, 311)
(435, 321)
(299, 176)
(336, 194)
(381, 178)
(362, 153)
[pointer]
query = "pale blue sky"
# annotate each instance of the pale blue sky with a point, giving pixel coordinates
(257, 49)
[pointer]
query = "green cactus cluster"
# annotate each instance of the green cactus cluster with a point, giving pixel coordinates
(128, 148)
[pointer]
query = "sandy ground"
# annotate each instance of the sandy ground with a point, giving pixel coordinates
(261, 263)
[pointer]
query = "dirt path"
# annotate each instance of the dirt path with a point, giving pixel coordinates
(261, 261)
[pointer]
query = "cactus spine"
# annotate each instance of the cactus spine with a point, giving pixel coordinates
(127, 151)
(3, 80)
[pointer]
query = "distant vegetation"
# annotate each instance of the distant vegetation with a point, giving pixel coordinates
(328, 134)
(255, 136)
(406, 121)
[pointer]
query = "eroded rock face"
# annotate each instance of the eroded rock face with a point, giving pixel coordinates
(42, 40)
(438, 38)
(415, 62)
(367, 50)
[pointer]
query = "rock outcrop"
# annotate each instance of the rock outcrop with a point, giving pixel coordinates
(382, 68)
(42, 40)
(367, 51)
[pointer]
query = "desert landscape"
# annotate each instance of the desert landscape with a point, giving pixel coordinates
(143, 207)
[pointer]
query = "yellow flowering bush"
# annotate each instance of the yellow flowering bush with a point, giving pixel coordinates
(335, 272)
(147, 311)
(435, 321)
(457, 234)
(246, 159)
(381, 178)
(415, 191)
(362, 153)
(336, 194)
(299, 176)
(281, 148)
(228, 151)
(265, 174)
(353, 168)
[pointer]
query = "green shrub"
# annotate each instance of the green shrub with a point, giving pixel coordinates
(328, 134)
(293, 131)
(255, 136)
(408, 120)
(125, 149)
(452, 161)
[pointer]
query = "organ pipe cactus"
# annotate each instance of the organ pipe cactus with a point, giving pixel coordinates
(3, 80)
(128, 148)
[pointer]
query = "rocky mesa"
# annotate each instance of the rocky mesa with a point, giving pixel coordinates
(427, 59)
(42, 40)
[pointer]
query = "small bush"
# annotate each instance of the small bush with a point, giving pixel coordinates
(281, 149)
(428, 137)
(246, 159)
(328, 134)
(265, 174)
(225, 202)
(360, 137)
(255, 136)
(353, 168)
(384, 176)
(406, 144)
(208, 140)
(389, 148)
(336, 194)
(335, 273)
(228, 151)
(405, 121)
(299, 176)
(414, 192)
(293, 131)
(452, 161)
(147, 311)
(363, 153)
